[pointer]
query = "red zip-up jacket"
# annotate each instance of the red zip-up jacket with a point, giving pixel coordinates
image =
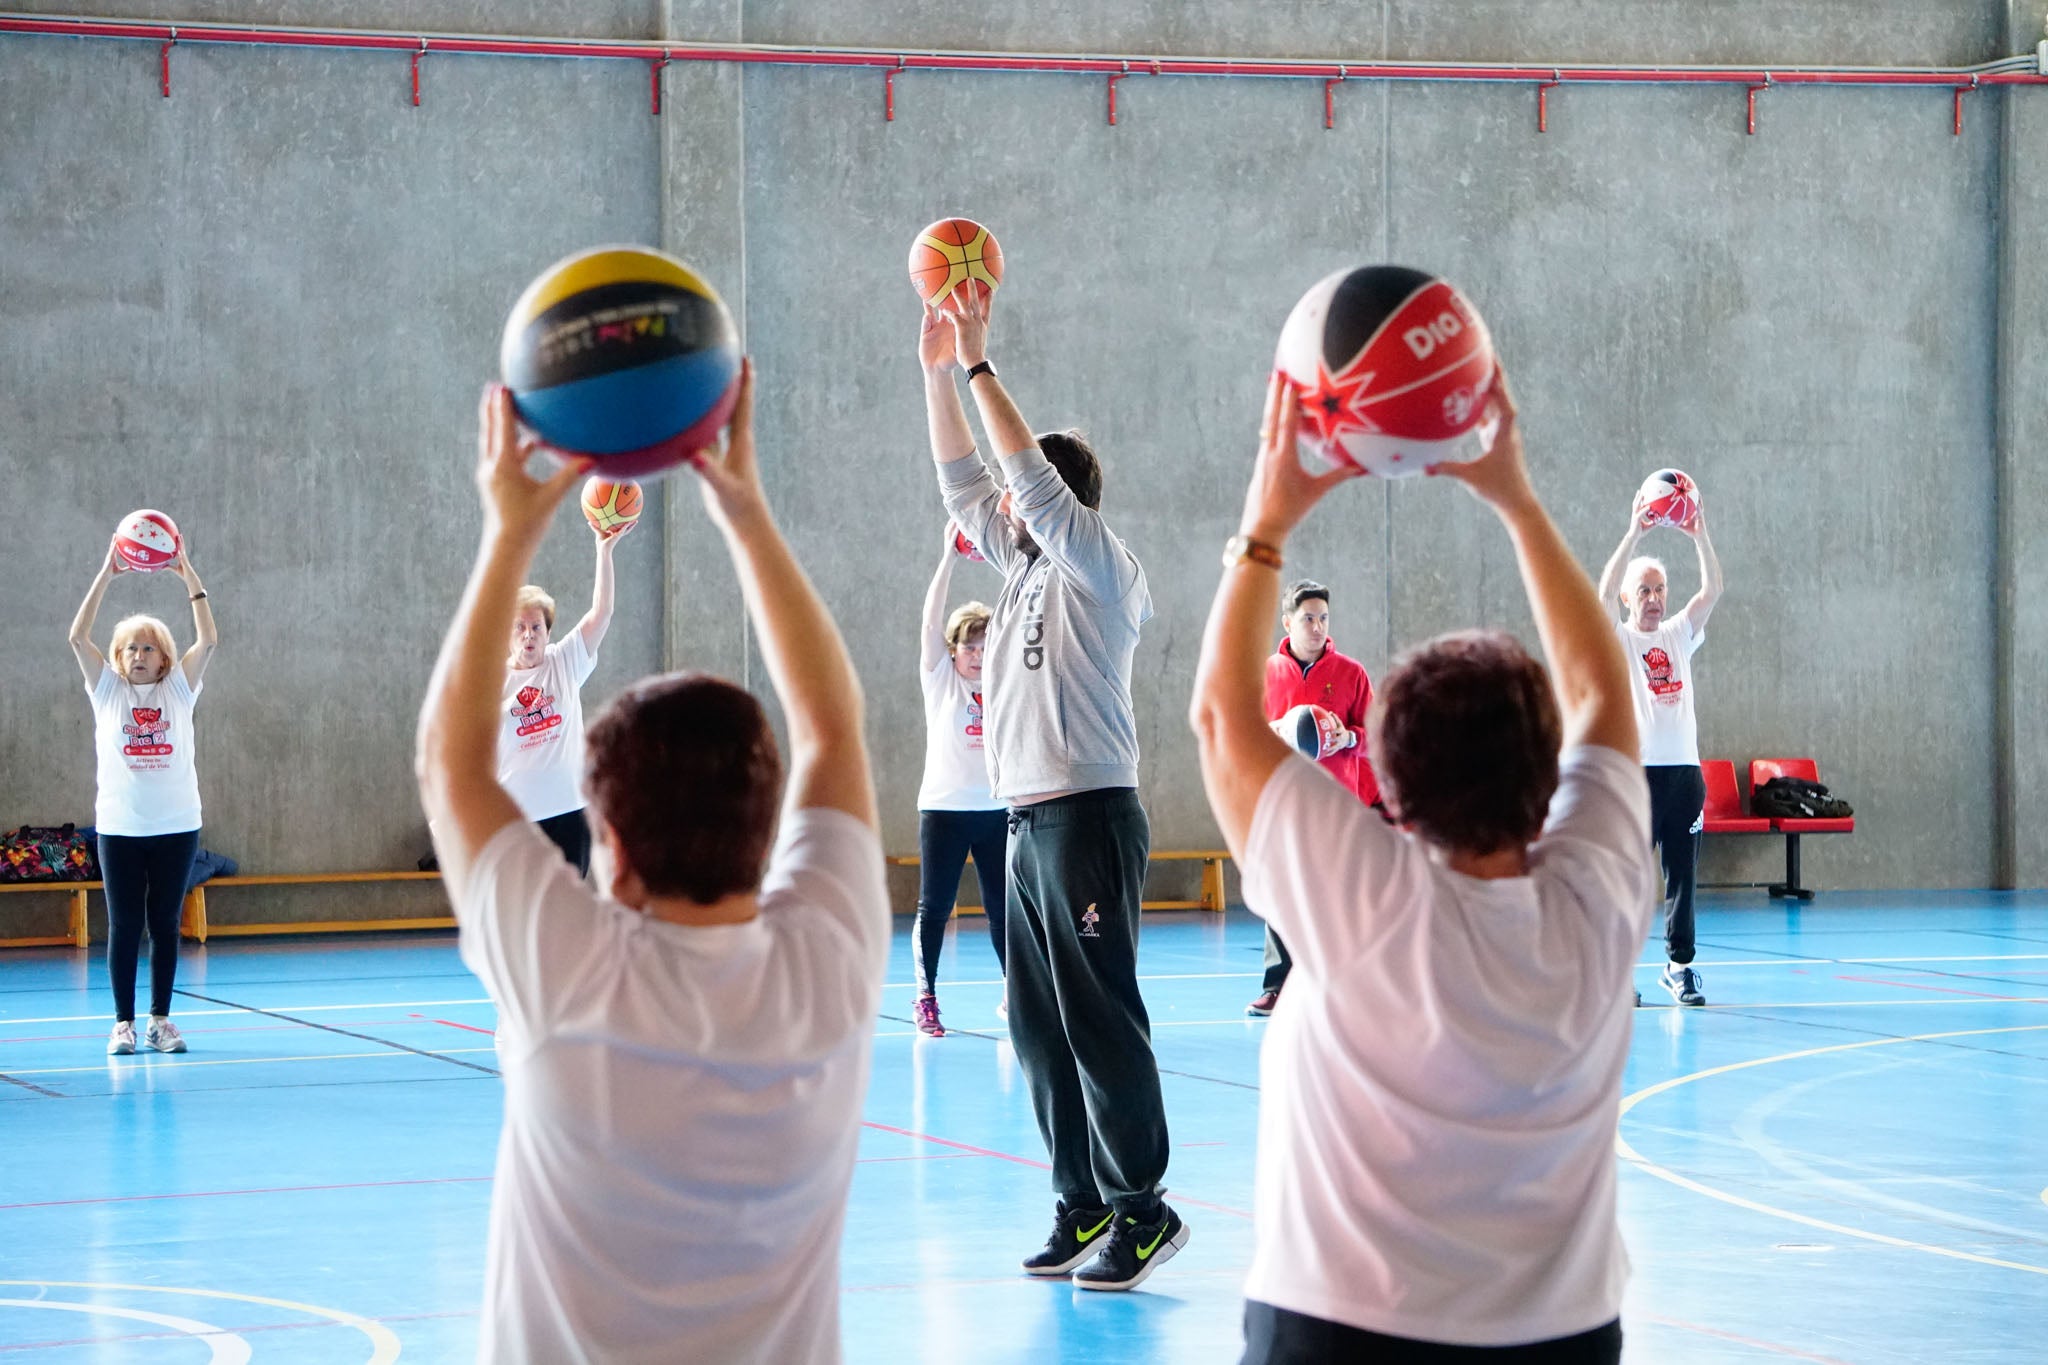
(1336, 682)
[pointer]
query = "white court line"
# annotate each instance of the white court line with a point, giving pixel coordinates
(228, 1349)
(275, 1009)
(132, 1069)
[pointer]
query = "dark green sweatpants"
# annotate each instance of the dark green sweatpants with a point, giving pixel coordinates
(1077, 873)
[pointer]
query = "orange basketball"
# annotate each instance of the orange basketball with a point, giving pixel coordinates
(610, 507)
(953, 252)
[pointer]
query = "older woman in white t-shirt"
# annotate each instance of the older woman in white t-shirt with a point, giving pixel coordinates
(956, 815)
(1442, 1077)
(148, 809)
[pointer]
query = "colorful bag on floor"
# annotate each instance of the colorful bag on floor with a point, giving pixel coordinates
(45, 853)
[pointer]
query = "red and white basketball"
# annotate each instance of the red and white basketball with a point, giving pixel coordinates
(953, 252)
(1669, 497)
(965, 548)
(146, 540)
(1314, 731)
(612, 506)
(1392, 367)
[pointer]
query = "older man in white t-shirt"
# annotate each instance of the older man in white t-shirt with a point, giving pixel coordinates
(1442, 1078)
(685, 1050)
(1660, 649)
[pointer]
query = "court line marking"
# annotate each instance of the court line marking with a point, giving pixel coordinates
(276, 1189)
(143, 1066)
(296, 1009)
(1777, 1347)
(1628, 1153)
(329, 1028)
(228, 1349)
(383, 1341)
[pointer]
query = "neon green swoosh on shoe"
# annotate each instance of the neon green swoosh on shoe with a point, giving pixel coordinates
(1087, 1236)
(1145, 1252)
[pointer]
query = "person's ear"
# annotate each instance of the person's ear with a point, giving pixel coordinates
(626, 888)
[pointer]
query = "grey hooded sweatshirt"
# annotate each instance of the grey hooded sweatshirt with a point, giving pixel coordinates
(1057, 669)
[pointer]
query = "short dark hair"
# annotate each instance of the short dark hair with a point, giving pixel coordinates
(686, 772)
(1069, 452)
(1465, 738)
(1302, 591)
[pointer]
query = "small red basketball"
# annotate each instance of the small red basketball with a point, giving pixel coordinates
(965, 547)
(1392, 367)
(954, 252)
(147, 540)
(610, 507)
(1669, 497)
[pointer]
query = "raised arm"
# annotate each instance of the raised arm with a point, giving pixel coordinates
(1587, 667)
(1238, 749)
(205, 638)
(90, 660)
(457, 748)
(808, 665)
(598, 619)
(970, 492)
(1617, 563)
(1702, 605)
(931, 635)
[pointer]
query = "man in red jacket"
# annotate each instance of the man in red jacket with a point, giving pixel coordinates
(1307, 669)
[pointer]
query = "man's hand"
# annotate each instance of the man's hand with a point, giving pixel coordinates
(935, 342)
(1282, 492)
(517, 506)
(1499, 478)
(731, 481)
(967, 309)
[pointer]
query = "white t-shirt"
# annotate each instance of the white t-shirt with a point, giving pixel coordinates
(540, 739)
(1661, 662)
(682, 1104)
(143, 739)
(1442, 1078)
(955, 755)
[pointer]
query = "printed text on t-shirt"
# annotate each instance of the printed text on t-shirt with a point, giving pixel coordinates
(1657, 668)
(149, 736)
(534, 714)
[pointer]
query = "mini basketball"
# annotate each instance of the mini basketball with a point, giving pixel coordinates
(610, 507)
(1392, 366)
(965, 548)
(1670, 498)
(625, 355)
(147, 540)
(953, 252)
(1312, 730)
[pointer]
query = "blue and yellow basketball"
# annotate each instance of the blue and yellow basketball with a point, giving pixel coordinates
(623, 354)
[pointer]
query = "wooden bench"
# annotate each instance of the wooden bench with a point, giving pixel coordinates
(193, 922)
(1212, 860)
(74, 935)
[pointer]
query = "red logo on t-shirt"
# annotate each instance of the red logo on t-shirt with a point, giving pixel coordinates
(974, 713)
(1663, 687)
(534, 711)
(149, 734)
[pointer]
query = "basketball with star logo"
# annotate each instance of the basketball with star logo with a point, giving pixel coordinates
(1392, 366)
(1669, 497)
(611, 507)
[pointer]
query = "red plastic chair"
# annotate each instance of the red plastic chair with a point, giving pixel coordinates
(1723, 814)
(1762, 770)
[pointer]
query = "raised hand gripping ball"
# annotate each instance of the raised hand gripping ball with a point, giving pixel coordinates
(1314, 731)
(954, 252)
(611, 507)
(147, 540)
(1669, 497)
(965, 548)
(623, 354)
(1392, 367)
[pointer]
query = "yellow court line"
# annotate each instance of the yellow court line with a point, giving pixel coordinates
(139, 1068)
(383, 1340)
(1648, 1167)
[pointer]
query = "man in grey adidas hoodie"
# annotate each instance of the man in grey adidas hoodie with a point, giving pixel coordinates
(1062, 749)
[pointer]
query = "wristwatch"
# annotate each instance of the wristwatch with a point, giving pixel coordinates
(980, 367)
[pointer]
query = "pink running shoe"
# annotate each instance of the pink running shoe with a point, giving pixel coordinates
(926, 1011)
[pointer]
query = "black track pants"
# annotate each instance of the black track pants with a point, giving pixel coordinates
(1077, 872)
(944, 839)
(1677, 796)
(571, 833)
(1275, 1336)
(145, 882)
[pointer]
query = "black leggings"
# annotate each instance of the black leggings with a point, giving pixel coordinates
(944, 839)
(571, 833)
(1275, 1336)
(1678, 794)
(145, 882)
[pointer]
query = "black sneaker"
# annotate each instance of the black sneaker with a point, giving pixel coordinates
(1134, 1250)
(1075, 1237)
(1683, 983)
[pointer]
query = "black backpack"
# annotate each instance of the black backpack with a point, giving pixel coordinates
(1794, 798)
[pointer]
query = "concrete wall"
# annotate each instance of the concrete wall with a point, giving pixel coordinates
(266, 304)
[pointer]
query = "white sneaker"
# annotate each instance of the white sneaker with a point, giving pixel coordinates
(1003, 1009)
(163, 1035)
(121, 1042)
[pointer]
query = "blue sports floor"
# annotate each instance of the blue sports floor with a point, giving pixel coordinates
(1844, 1159)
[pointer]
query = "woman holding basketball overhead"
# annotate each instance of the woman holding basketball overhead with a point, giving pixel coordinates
(956, 815)
(148, 809)
(540, 735)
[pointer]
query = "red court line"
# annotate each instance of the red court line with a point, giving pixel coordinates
(1775, 1348)
(1939, 990)
(471, 1027)
(239, 1331)
(922, 1156)
(192, 1032)
(278, 1189)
